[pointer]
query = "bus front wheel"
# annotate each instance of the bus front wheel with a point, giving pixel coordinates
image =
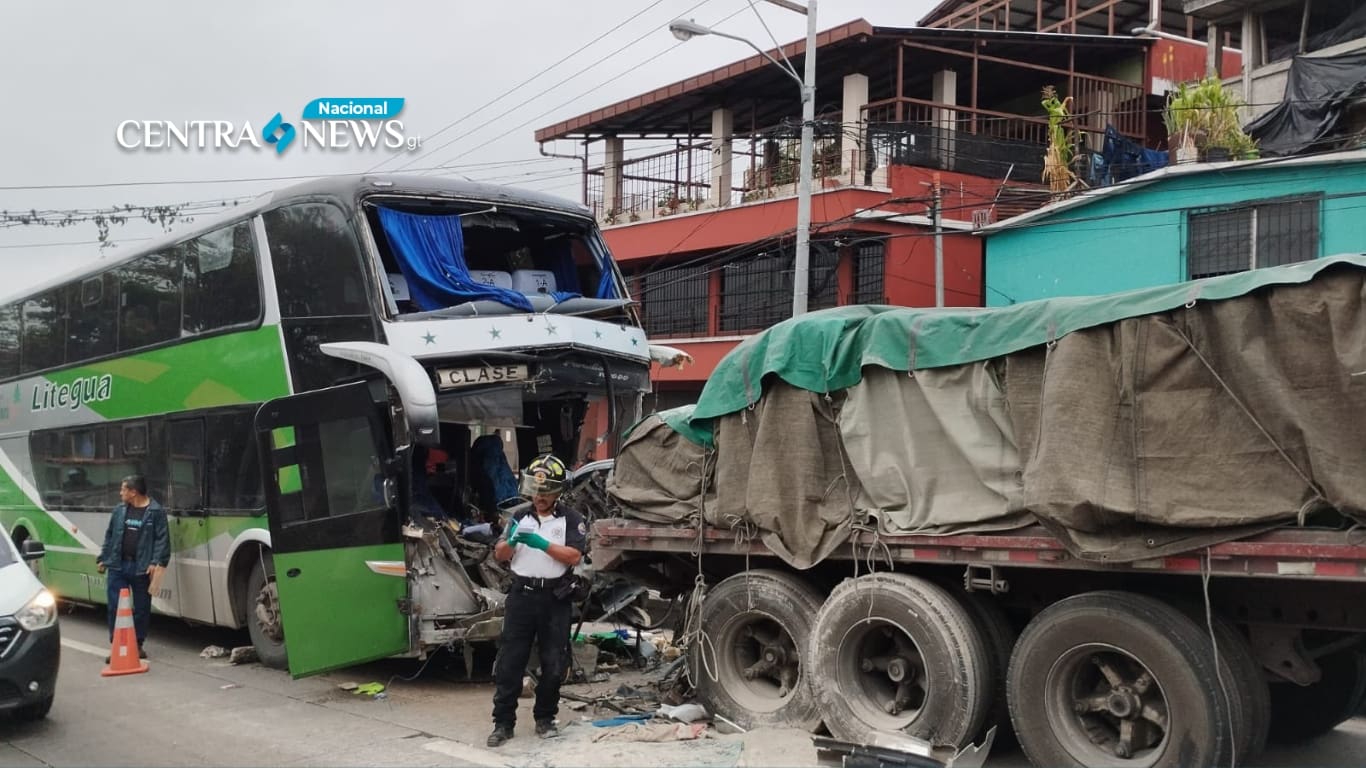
(263, 619)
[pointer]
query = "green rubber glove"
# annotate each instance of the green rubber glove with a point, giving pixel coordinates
(534, 540)
(511, 532)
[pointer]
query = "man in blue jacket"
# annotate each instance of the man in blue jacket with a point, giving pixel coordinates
(136, 541)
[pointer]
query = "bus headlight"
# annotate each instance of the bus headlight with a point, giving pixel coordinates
(40, 612)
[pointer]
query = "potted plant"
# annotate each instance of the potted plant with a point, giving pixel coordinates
(669, 203)
(1202, 123)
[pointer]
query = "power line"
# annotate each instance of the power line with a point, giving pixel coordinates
(543, 92)
(244, 180)
(581, 95)
(527, 81)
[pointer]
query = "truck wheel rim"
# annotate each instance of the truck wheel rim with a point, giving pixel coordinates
(760, 663)
(882, 674)
(268, 612)
(1104, 705)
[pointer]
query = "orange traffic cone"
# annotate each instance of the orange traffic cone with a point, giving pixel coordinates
(123, 655)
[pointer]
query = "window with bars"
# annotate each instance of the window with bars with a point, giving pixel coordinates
(674, 301)
(869, 271)
(1263, 234)
(757, 292)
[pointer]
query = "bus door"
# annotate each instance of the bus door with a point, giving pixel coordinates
(334, 528)
(188, 582)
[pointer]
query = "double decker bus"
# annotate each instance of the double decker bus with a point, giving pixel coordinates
(279, 376)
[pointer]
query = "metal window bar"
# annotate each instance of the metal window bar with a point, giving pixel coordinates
(674, 301)
(869, 273)
(1264, 234)
(757, 292)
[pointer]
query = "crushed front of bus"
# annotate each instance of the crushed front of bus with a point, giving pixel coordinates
(520, 321)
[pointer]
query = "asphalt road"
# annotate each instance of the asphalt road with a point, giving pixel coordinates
(189, 710)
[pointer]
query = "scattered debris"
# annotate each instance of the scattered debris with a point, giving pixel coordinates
(228, 687)
(528, 688)
(684, 713)
(586, 660)
(243, 655)
(726, 726)
(370, 689)
(899, 749)
(613, 722)
(213, 652)
(578, 706)
(348, 686)
(653, 732)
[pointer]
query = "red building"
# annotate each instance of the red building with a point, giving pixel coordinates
(695, 182)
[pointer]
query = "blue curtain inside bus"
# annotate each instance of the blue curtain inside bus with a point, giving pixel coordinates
(607, 287)
(430, 251)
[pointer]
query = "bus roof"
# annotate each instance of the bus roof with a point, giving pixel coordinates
(348, 187)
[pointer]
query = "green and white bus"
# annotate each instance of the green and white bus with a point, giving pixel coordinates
(320, 339)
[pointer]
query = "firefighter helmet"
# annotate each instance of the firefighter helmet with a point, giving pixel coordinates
(546, 474)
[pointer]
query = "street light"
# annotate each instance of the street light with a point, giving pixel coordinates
(686, 29)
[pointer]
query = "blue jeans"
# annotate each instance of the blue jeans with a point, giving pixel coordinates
(126, 575)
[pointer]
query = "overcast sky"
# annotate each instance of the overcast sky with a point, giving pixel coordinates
(72, 71)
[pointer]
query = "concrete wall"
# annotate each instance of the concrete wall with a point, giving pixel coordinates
(1137, 238)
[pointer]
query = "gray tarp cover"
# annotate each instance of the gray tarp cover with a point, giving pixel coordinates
(1139, 438)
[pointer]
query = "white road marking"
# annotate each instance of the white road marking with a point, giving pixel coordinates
(468, 753)
(77, 645)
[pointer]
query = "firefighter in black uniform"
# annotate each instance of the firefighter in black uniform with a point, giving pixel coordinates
(544, 543)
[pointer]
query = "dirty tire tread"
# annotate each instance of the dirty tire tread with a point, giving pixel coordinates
(998, 635)
(1168, 643)
(1248, 686)
(943, 631)
(788, 600)
(268, 652)
(1248, 691)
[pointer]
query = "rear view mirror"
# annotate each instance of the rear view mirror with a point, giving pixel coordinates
(32, 550)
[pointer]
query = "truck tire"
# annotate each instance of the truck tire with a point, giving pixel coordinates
(1303, 712)
(998, 635)
(1248, 693)
(264, 624)
(1114, 678)
(898, 653)
(752, 668)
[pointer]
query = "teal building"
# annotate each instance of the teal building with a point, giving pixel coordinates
(1180, 223)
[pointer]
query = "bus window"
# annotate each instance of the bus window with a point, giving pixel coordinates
(234, 484)
(220, 280)
(185, 465)
(92, 318)
(9, 340)
(150, 300)
(44, 333)
(316, 260)
(321, 288)
(350, 467)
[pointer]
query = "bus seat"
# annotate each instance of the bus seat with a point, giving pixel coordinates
(398, 286)
(492, 277)
(533, 281)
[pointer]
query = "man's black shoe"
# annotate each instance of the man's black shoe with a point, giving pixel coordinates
(546, 729)
(141, 653)
(500, 735)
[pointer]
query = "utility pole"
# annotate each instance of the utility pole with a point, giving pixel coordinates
(801, 263)
(801, 268)
(938, 244)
